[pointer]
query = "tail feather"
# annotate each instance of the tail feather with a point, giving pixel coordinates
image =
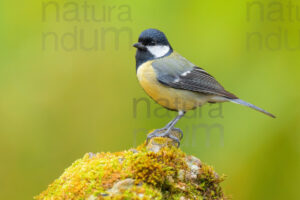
(241, 102)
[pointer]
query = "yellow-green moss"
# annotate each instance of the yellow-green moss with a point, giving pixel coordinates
(137, 174)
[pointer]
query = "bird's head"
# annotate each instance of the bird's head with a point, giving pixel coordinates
(152, 44)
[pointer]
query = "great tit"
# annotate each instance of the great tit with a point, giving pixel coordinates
(174, 82)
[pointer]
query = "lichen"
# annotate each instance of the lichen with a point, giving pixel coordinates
(158, 170)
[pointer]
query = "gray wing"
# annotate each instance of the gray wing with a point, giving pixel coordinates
(177, 72)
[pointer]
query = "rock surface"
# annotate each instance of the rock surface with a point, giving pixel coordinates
(158, 170)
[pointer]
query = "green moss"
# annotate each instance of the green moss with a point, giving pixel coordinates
(141, 173)
(143, 191)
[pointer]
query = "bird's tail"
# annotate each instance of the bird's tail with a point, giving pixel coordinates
(244, 103)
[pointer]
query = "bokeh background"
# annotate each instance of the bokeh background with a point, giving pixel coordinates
(59, 100)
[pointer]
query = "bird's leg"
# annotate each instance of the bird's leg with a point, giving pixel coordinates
(157, 131)
(169, 127)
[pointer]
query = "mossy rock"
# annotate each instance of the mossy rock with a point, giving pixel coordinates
(158, 170)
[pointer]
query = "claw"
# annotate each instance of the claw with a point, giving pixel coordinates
(180, 131)
(155, 133)
(174, 138)
(164, 133)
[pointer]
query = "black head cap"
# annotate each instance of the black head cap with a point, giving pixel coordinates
(153, 37)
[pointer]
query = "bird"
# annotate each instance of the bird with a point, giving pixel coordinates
(174, 82)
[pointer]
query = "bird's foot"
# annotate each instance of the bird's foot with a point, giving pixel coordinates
(179, 131)
(165, 132)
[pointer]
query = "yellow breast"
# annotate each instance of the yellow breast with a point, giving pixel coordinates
(174, 99)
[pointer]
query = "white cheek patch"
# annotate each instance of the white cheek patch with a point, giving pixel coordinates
(158, 50)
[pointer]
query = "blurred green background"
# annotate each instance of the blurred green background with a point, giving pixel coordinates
(59, 100)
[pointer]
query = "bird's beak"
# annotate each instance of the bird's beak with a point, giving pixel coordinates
(139, 45)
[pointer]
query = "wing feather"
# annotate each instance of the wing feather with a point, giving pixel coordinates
(177, 72)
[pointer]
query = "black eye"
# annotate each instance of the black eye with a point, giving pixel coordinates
(148, 41)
